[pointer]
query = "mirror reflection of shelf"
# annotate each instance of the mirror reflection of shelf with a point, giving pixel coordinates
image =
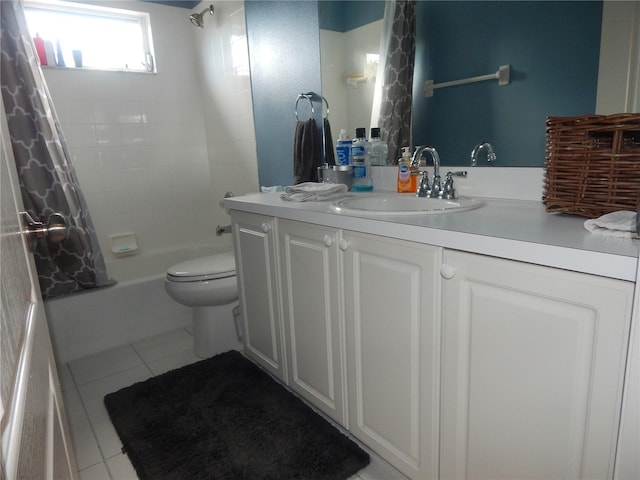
(369, 74)
(354, 79)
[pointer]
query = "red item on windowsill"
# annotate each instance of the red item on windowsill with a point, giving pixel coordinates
(42, 55)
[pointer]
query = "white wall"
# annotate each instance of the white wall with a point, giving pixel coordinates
(150, 149)
(619, 72)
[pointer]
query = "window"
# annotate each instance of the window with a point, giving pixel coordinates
(108, 38)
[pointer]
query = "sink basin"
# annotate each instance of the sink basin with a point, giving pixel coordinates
(402, 204)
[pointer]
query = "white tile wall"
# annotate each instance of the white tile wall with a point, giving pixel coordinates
(155, 153)
(223, 60)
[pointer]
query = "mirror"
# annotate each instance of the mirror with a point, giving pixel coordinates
(350, 34)
(553, 49)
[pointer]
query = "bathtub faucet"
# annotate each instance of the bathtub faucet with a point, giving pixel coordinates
(220, 230)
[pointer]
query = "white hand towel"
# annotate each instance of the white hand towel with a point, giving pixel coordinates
(615, 224)
(312, 191)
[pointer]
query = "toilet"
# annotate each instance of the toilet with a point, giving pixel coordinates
(208, 285)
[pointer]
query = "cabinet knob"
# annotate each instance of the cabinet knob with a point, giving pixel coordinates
(265, 227)
(447, 271)
(328, 241)
(343, 244)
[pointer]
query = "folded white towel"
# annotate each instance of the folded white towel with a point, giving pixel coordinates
(312, 191)
(615, 224)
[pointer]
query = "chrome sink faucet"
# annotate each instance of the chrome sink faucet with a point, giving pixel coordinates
(424, 190)
(491, 154)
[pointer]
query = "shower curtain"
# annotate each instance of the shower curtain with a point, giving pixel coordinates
(48, 181)
(394, 82)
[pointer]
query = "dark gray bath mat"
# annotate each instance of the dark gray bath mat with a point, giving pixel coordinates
(224, 418)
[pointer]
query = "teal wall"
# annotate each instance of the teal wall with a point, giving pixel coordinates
(284, 57)
(342, 16)
(553, 48)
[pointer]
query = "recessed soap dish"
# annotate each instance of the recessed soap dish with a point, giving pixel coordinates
(123, 243)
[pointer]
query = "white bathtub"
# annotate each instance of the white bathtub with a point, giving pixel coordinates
(136, 307)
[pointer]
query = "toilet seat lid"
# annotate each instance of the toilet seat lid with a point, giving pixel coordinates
(220, 265)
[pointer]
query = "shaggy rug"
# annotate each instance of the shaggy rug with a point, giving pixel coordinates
(225, 418)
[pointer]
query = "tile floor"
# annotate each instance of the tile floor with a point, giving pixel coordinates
(86, 381)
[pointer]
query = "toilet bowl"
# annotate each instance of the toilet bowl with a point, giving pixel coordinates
(208, 285)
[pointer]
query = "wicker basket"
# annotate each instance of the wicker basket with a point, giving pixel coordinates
(593, 164)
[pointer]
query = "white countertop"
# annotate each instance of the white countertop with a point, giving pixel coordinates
(514, 229)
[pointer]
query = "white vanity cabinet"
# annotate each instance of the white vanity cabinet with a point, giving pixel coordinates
(447, 364)
(257, 269)
(312, 313)
(532, 369)
(361, 320)
(392, 308)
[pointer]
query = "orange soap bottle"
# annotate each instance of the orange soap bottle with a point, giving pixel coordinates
(406, 181)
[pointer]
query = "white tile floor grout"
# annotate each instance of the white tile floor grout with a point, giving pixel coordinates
(86, 381)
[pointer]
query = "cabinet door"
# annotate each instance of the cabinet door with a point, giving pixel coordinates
(533, 364)
(393, 346)
(312, 315)
(628, 457)
(256, 263)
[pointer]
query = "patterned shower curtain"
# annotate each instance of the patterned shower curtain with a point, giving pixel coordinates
(48, 181)
(392, 105)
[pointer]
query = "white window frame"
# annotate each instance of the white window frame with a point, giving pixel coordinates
(142, 18)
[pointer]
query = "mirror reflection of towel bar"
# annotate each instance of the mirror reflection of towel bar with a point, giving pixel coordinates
(502, 75)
